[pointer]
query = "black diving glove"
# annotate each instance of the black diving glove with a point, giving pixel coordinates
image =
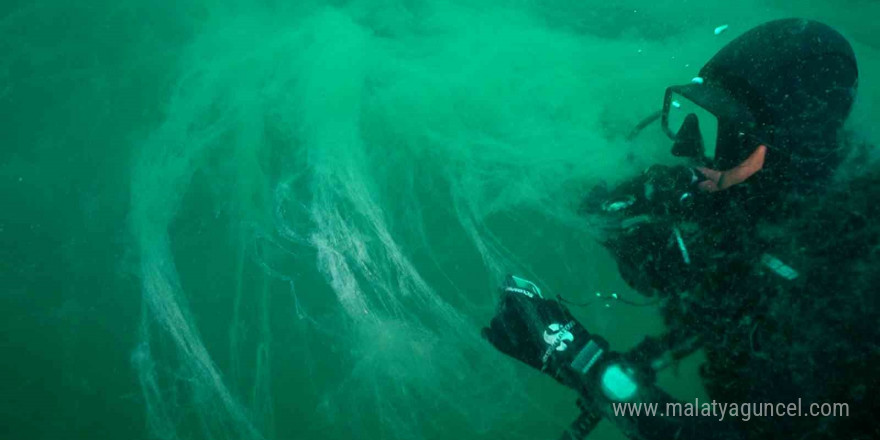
(543, 334)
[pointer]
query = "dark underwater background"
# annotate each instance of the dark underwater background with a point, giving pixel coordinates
(288, 220)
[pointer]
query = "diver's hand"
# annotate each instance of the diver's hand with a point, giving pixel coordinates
(720, 180)
(541, 333)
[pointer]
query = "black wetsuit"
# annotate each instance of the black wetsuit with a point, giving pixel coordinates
(769, 338)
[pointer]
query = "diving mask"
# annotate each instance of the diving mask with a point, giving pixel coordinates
(706, 123)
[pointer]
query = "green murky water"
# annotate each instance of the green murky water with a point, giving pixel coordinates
(259, 220)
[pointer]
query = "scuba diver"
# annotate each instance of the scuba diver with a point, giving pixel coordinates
(757, 256)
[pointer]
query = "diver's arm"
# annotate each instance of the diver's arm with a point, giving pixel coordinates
(622, 388)
(647, 412)
(543, 334)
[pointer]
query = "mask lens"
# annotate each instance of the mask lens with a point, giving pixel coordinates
(679, 108)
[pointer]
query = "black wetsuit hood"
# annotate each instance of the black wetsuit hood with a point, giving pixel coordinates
(799, 80)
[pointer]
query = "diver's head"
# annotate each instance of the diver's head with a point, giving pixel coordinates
(788, 84)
